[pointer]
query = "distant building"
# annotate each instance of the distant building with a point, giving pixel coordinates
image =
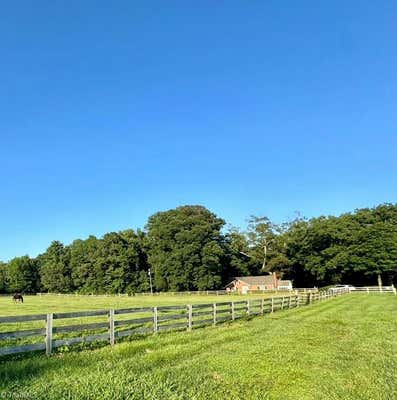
(243, 284)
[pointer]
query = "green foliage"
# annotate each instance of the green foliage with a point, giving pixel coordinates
(114, 264)
(22, 275)
(3, 277)
(55, 271)
(353, 248)
(186, 248)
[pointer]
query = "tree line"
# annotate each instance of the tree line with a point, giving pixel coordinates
(190, 248)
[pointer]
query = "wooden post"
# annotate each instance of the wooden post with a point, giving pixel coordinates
(272, 304)
(48, 334)
(232, 310)
(111, 327)
(248, 307)
(214, 312)
(189, 317)
(262, 306)
(155, 320)
(310, 297)
(289, 302)
(282, 303)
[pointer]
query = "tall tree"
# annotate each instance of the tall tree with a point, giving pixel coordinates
(186, 248)
(22, 275)
(3, 278)
(267, 244)
(114, 264)
(55, 272)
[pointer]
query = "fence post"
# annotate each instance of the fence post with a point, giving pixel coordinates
(189, 317)
(111, 327)
(310, 298)
(262, 306)
(48, 334)
(296, 300)
(282, 303)
(232, 310)
(248, 307)
(155, 320)
(289, 302)
(272, 304)
(214, 312)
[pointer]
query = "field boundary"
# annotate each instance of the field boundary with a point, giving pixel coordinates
(143, 320)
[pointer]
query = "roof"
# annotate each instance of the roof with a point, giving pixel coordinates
(256, 280)
(284, 283)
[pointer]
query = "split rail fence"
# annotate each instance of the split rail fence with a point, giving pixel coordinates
(111, 325)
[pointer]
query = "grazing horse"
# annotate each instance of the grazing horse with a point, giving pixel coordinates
(17, 298)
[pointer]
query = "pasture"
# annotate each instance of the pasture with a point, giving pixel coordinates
(345, 348)
(53, 303)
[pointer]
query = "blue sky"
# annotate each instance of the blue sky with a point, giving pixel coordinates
(111, 111)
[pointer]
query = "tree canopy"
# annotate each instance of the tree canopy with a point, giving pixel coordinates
(189, 248)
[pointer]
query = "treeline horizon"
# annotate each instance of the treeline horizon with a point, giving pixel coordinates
(188, 248)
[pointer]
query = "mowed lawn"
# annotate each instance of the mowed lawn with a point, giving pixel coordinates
(344, 348)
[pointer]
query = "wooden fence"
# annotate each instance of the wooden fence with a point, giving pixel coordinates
(115, 324)
(375, 289)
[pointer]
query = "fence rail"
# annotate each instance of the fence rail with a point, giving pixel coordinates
(375, 289)
(142, 320)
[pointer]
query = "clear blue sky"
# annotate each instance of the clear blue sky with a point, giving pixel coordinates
(111, 111)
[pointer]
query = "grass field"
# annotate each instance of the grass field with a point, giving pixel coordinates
(56, 304)
(345, 348)
(47, 304)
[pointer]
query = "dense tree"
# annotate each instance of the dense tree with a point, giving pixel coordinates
(186, 248)
(3, 279)
(116, 263)
(55, 272)
(355, 247)
(22, 275)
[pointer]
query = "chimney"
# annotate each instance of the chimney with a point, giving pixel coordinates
(275, 282)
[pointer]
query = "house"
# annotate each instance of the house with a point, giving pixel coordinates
(243, 284)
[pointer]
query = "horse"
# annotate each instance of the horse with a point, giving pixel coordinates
(17, 298)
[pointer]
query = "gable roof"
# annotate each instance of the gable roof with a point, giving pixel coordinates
(256, 280)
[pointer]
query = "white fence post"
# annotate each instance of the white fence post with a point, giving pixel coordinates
(48, 334)
(272, 304)
(111, 327)
(232, 310)
(214, 312)
(262, 306)
(189, 317)
(155, 320)
(248, 307)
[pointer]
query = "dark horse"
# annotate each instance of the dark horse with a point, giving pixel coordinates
(17, 298)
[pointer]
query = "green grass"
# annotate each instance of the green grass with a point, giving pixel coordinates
(51, 303)
(344, 348)
(47, 304)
